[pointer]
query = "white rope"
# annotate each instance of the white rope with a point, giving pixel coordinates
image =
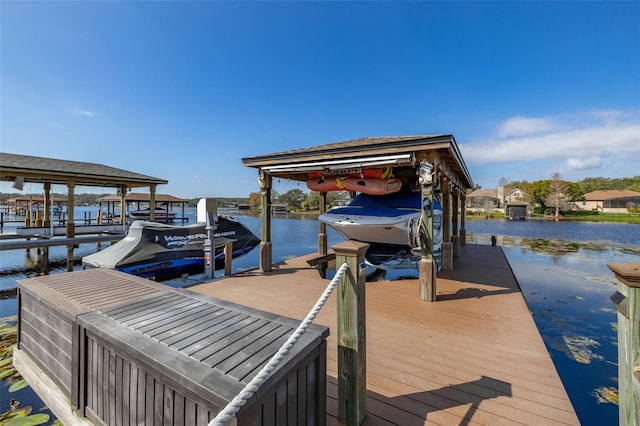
(250, 388)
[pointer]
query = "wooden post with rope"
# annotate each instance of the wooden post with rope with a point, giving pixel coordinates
(352, 348)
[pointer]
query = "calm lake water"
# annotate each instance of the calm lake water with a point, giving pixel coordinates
(560, 266)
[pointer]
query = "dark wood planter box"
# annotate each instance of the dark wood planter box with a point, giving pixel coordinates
(48, 307)
(172, 356)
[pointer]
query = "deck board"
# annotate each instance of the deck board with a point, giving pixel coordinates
(473, 357)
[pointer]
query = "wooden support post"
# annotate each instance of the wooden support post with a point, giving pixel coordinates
(455, 237)
(322, 235)
(47, 205)
(228, 257)
(265, 181)
(45, 266)
(427, 267)
(447, 249)
(463, 212)
(71, 226)
(152, 203)
(627, 300)
(352, 349)
(123, 205)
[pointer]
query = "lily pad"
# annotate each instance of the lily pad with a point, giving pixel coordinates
(20, 384)
(7, 373)
(35, 419)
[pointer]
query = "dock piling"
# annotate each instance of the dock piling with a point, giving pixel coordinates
(352, 348)
(627, 301)
(228, 257)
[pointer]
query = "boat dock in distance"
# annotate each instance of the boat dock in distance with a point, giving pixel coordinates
(133, 350)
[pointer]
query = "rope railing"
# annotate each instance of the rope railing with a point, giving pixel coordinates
(252, 387)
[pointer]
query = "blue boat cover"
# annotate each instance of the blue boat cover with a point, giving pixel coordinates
(390, 205)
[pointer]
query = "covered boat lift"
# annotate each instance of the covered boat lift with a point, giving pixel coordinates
(431, 163)
(21, 169)
(140, 199)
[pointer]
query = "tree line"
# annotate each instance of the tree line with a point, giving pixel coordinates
(553, 192)
(556, 193)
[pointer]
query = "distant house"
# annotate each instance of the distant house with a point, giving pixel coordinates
(609, 200)
(484, 199)
(496, 198)
(516, 195)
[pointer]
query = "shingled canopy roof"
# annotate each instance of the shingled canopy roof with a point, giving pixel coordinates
(396, 151)
(40, 170)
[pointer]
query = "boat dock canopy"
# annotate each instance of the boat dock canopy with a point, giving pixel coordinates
(137, 197)
(28, 169)
(400, 152)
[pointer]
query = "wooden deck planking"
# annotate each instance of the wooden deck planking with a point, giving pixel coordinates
(473, 357)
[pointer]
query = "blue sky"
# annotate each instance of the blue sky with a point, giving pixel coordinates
(183, 90)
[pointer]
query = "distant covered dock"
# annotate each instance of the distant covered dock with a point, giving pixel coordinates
(162, 201)
(23, 169)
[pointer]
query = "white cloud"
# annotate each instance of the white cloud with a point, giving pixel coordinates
(584, 163)
(519, 125)
(79, 112)
(578, 139)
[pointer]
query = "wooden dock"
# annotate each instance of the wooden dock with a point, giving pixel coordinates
(473, 357)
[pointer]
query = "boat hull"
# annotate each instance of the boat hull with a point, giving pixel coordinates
(163, 252)
(389, 223)
(373, 229)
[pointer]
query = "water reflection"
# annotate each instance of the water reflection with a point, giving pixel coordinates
(35, 261)
(552, 246)
(567, 286)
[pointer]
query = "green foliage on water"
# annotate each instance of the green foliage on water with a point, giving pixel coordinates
(8, 340)
(553, 246)
(606, 395)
